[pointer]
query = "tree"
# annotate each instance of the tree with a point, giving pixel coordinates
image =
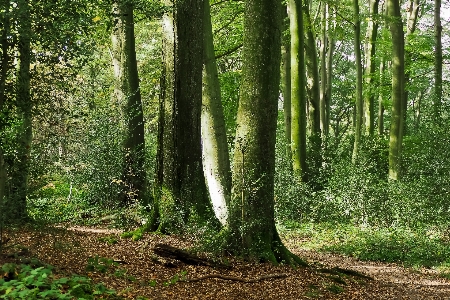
(437, 60)
(398, 109)
(251, 228)
(359, 93)
(216, 160)
(369, 95)
(286, 78)
(128, 95)
(298, 93)
(181, 193)
(24, 104)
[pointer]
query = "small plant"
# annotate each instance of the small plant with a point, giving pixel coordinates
(100, 264)
(110, 240)
(176, 278)
(25, 282)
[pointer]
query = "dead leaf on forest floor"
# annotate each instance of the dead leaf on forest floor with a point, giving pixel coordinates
(68, 249)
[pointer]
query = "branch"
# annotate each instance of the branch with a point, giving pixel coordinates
(223, 1)
(233, 278)
(229, 51)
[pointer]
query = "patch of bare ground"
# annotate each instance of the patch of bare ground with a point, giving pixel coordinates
(151, 276)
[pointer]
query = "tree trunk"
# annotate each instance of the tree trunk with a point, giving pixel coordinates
(398, 109)
(181, 192)
(359, 96)
(437, 61)
(128, 95)
(414, 6)
(298, 93)
(22, 162)
(286, 80)
(323, 72)
(380, 101)
(313, 83)
(216, 160)
(331, 27)
(369, 95)
(251, 232)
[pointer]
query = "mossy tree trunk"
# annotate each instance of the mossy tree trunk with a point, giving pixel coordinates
(359, 82)
(216, 160)
(398, 77)
(437, 61)
(298, 91)
(369, 91)
(181, 193)
(286, 79)
(251, 230)
(20, 169)
(128, 95)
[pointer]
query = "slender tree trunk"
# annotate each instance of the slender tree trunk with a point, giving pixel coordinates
(216, 160)
(3, 78)
(313, 83)
(323, 72)
(298, 93)
(417, 110)
(437, 61)
(312, 68)
(286, 79)
(359, 96)
(398, 109)
(22, 163)
(414, 7)
(369, 95)
(381, 102)
(331, 27)
(181, 188)
(128, 95)
(251, 231)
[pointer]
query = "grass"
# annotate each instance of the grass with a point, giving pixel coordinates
(411, 247)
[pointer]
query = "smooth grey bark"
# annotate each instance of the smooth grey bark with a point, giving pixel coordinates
(181, 193)
(414, 7)
(398, 109)
(331, 27)
(437, 61)
(298, 92)
(216, 160)
(369, 94)
(128, 95)
(380, 101)
(21, 165)
(359, 82)
(286, 78)
(323, 71)
(251, 228)
(312, 71)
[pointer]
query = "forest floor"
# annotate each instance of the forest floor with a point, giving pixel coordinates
(138, 271)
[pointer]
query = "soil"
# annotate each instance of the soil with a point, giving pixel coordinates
(144, 273)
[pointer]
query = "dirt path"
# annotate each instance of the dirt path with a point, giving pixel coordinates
(69, 251)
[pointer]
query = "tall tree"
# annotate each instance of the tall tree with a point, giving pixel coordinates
(398, 109)
(21, 164)
(369, 95)
(286, 78)
(128, 95)
(413, 13)
(181, 188)
(437, 61)
(251, 226)
(216, 160)
(330, 29)
(298, 92)
(359, 84)
(323, 71)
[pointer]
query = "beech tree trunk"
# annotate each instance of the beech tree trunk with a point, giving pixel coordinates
(286, 79)
(216, 160)
(359, 95)
(181, 193)
(437, 61)
(369, 94)
(128, 95)
(251, 228)
(398, 109)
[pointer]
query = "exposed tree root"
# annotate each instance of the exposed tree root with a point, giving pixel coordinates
(233, 278)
